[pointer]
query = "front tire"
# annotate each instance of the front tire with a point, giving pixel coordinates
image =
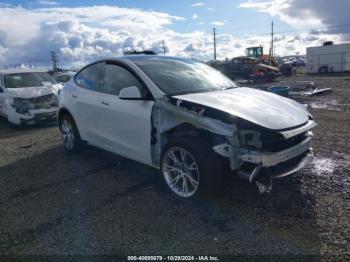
(190, 168)
(70, 134)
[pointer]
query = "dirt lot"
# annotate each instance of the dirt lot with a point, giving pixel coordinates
(52, 202)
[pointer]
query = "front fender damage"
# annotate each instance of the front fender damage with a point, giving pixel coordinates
(169, 113)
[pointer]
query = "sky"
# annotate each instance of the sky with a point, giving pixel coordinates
(81, 31)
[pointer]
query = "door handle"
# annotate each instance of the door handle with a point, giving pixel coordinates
(104, 103)
(74, 96)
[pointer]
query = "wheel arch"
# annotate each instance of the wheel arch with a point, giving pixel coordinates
(63, 112)
(189, 131)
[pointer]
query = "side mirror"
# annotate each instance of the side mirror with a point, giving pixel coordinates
(1, 89)
(130, 93)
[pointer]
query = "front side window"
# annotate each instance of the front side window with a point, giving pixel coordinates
(89, 77)
(28, 79)
(116, 78)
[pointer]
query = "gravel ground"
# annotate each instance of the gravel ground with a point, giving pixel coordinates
(52, 202)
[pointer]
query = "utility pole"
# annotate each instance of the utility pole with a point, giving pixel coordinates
(164, 50)
(54, 61)
(271, 49)
(214, 33)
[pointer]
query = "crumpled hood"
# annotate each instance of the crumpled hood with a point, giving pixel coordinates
(30, 92)
(262, 108)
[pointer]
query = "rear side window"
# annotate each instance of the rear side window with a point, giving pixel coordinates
(89, 77)
(116, 78)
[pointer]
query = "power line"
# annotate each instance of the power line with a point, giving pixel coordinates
(240, 28)
(319, 28)
(228, 31)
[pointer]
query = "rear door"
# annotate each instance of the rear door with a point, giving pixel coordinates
(85, 101)
(125, 125)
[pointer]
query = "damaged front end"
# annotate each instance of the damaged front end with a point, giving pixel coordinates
(270, 155)
(32, 110)
(254, 153)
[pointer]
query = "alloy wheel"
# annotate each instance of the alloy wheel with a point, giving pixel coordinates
(67, 134)
(180, 172)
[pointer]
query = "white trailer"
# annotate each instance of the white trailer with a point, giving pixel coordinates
(328, 58)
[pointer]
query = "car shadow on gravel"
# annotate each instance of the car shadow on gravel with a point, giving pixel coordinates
(286, 216)
(286, 213)
(8, 131)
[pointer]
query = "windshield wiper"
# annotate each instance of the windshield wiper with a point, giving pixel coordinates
(192, 92)
(230, 87)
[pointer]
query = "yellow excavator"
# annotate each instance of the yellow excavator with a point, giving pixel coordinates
(253, 66)
(258, 53)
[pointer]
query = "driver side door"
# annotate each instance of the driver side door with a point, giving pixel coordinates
(125, 124)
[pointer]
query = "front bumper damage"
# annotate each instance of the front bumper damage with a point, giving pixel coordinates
(268, 159)
(261, 167)
(33, 116)
(270, 166)
(40, 116)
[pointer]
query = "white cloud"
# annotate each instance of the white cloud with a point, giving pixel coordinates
(199, 4)
(79, 35)
(285, 11)
(194, 16)
(218, 23)
(3, 51)
(47, 2)
(327, 16)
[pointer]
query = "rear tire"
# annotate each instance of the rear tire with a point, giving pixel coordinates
(70, 134)
(190, 168)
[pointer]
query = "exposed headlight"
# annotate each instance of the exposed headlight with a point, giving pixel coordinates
(250, 138)
(22, 105)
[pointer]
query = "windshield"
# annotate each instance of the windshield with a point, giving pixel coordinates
(183, 76)
(30, 79)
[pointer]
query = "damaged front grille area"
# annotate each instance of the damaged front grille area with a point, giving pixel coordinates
(44, 102)
(274, 142)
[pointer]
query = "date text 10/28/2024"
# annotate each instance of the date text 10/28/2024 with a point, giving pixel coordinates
(173, 258)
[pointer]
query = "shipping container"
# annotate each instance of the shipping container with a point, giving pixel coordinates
(328, 58)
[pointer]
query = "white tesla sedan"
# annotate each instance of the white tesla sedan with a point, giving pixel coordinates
(28, 96)
(186, 119)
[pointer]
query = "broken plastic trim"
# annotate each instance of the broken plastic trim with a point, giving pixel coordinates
(250, 176)
(290, 133)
